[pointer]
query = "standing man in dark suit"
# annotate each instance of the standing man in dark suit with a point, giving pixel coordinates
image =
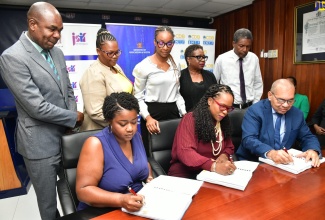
(35, 72)
(263, 138)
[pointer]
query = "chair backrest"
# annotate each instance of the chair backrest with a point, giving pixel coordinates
(236, 119)
(160, 145)
(71, 146)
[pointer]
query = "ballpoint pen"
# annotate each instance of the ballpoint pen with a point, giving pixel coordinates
(285, 150)
(132, 191)
(230, 158)
(135, 194)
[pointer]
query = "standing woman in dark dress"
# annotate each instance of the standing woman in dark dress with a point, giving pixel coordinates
(194, 80)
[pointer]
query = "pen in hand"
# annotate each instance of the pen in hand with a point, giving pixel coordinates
(135, 194)
(230, 158)
(132, 191)
(285, 150)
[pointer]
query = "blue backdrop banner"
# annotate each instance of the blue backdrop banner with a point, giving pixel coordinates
(136, 43)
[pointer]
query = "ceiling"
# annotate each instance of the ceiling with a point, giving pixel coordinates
(186, 8)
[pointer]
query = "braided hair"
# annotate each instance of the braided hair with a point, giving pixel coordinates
(102, 36)
(117, 102)
(168, 29)
(204, 121)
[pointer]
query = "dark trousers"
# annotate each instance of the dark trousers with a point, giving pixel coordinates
(160, 112)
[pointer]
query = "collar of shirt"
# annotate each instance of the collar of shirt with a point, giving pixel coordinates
(38, 48)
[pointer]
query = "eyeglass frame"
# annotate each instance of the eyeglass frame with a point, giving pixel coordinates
(199, 58)
(282, 101)
(113, 53)
(165, 44)
(224, 107)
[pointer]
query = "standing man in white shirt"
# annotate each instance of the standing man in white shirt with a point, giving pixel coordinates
(240, 70)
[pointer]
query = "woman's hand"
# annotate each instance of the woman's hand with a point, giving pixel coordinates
(222, 158)
(152, 125)
(131, 202)
(225, 168)
(319, 130)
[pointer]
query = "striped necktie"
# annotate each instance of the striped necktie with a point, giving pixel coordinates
(51, 63)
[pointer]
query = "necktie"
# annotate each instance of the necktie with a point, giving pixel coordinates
(242, 81)
(277, 141)
(51, 63)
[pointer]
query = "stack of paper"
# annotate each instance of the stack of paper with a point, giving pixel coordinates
(167, 197)
(299, 164)
(238, 180)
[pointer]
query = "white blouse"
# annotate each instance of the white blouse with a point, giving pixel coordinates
(152, 84)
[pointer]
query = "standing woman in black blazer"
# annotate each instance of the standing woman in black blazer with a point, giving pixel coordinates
(194, 80)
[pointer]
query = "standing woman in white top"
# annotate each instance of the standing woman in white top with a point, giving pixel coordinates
(102, 78)
(156, 85)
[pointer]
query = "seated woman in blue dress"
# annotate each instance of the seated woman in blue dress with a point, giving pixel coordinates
(114, 159)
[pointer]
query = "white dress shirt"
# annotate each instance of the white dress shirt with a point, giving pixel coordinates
(226, 70)
(152, 84)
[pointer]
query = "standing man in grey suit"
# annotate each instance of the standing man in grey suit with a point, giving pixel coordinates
(35, 72)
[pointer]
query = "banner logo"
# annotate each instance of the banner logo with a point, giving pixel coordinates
(71, 69)
(179, 38)
(74, 85)
(208, 40)
(320, 6)
(81, 38)
(182, 56)
(139, 45)
(76, 98)
(194, 39)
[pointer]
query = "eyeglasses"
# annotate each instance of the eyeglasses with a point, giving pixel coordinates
(161, 44)
(224, 107)
(112, 53)
(199, 58)
(282, 101)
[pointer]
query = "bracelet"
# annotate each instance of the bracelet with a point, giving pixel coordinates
(213, 169)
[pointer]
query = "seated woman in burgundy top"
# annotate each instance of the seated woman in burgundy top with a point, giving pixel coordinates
(202, 140)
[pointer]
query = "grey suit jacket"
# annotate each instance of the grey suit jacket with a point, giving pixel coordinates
(45, 106)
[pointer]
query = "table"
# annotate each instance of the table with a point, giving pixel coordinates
(271, 194)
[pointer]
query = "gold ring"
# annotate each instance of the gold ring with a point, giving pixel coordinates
(231, 170)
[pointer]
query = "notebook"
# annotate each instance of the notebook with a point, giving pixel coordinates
(299, 164)
(238, 180)
(167, 197)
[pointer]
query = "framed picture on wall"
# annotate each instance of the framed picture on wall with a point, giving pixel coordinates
(309, 33)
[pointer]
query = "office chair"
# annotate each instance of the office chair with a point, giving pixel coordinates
(236, 118)
(71, 146)
(160, 147)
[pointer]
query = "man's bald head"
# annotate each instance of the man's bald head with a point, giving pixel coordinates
(44, 24)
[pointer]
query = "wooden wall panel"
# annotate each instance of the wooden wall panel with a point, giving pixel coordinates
(272, 25)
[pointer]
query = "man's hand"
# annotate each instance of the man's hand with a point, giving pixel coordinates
(279, 156)
(311, 154)
(80, 119)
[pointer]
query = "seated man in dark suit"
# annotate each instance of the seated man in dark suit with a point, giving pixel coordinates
(264, 137)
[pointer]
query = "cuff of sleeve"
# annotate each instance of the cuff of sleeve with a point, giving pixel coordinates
(207, 165)
(266, 154)
(144, 115)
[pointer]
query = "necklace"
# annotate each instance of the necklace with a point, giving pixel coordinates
(217, 130)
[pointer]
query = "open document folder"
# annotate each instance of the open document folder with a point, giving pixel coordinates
(299, 164)
(238, 180)
(167, 197)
